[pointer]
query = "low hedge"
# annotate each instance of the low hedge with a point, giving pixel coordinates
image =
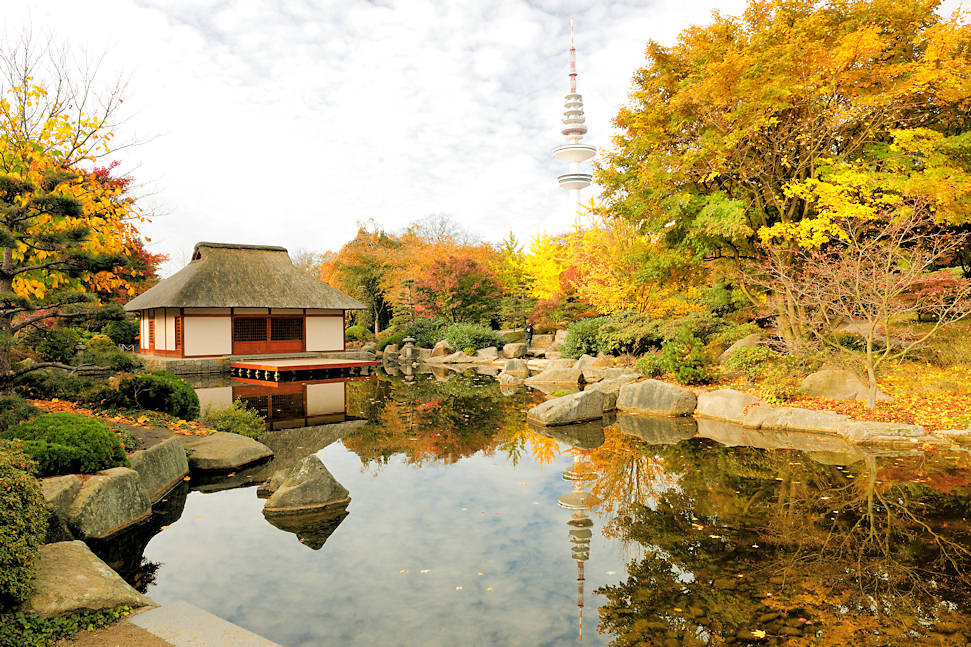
(66, 443)
(14, 410)
(31, 630)
(237, 418)
(394, 338)
(472, 336)
(23, 525)
(358, 333)
(154, 390)
(427, 331)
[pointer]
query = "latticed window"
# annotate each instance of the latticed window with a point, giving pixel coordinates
(287, 406)
(249, 329)
(258, 403)
(286, 329)
(178, 333)
(151, 332)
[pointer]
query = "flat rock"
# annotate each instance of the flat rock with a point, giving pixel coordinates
(488, 354)
(656, 430)
(307, 486)
(559, 337)
(611, 373)
(576, 407)
(223, 451)
(564, 362)
(108, 502)
(514, 350)
(70, 578)
(557, 376)
(585, 361)
(838, 384)
(161, 467)
(657, 398)
(734, 435)
(793, 418)
(593, 373)
(582, 435)
(516, 367)
(725, 404)
(749, 341)
(611, 388)
(960, 436)
(879, 432)
(186, 625)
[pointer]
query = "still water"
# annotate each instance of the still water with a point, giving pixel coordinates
(467, 527)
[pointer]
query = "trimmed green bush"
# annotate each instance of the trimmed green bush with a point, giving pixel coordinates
(155, 390)
(751, 362)
(427, 331)
(733, 332)
(65, 443)
(703, 325)
(395, 338)
(688, 358)
(14, 410)
(123, 331)
(652, 365)
(30, 630)
(358, 333)
(474, 336)
(628, 333)
(49, 384)
(581, 337)
(59, 345)
(23, 525)
(237, 418)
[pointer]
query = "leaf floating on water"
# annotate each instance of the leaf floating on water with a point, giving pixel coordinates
(404, 570)
(677, 609)
(479, 573)
(522, 482)
(166, 527)
(611, 572)
(535, 502)
(463, 509)
(758, 633)
(425, 570)
(458, 588)
(198, 516)
(489, 588)
(186, 478)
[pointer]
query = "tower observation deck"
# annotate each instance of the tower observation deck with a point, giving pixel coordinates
(574, 128)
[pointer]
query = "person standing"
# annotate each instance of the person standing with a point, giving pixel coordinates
(528, 329)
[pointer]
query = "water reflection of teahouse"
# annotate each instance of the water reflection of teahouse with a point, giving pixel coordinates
(580, 524)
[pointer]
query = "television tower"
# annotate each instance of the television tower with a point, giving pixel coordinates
(574, 128)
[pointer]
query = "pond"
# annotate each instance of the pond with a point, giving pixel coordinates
(466, 526)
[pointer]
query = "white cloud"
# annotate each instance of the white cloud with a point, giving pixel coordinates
(287, 123)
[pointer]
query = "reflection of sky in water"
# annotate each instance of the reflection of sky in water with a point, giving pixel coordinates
(231, 562)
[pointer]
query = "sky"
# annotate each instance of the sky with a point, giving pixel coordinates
(289, 123)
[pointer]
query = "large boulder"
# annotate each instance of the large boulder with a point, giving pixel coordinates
(749, 341)
(657, 430)
(457, 358)
(878, 433)
(489, 354)
(611, 373)
(223, 451)
(793, 418)
(838, 384)
(514, 350)
(731, 435)
(70, 578)
(442, 349)
(656, 397)
(559, 337)
(585, 361)
(516, 367)
(391, 353)
(725, 404)
(576, 407)
(307, 486)
(583, 435)
(161, 467)
(59, 492)
(611, 388)
(108, 502)
(557, 376)
(564, 362)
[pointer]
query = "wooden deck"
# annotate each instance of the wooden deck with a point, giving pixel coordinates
(293, 368)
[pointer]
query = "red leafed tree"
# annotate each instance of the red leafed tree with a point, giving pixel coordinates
(458, 289)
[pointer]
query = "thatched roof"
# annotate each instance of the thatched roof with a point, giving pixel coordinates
(224, 275)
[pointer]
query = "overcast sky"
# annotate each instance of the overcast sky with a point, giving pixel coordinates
(288, 123)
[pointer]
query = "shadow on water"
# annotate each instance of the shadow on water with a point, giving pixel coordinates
(727, 535)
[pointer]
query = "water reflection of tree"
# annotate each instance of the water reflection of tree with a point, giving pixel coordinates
(750, 541)
(431, 420)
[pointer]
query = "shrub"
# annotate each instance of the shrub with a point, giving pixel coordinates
(474, 336)
(45, 385)
(14, 409)
(100, 344)
(628, 333)
(581, 337)
(733, 332)
(688, 358)
(652, 365)
(395, 338)
(155, 390)
(59, 345)
(23, 524)
(703, 325)
(111, 357)
(123, 331)
(722, 299)
(237, 418)
(64, 443)
(779, 385)
(427, 331)
(751, 362)
(358, 333)
(30, 630)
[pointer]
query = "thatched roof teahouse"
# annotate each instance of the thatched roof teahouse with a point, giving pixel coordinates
(241, 300)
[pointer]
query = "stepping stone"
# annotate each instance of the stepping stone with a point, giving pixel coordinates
(186, 625)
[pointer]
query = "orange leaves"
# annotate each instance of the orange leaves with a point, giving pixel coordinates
(183, 427)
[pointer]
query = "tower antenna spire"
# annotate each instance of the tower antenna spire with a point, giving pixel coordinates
(574, 128)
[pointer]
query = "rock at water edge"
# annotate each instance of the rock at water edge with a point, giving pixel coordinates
(557, 376)
(611, 388)
(836, 384)
(657, 430)
(223, 451)
(442, 349)
(749, 341)
(725, 404)
(70, 578)
(161, 467)
(308, 486)
(576, 407)
(514, 350)
(59, 492)
(656, 397)
(108, 502)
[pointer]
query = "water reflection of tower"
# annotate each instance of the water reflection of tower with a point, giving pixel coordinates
(580, 526)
